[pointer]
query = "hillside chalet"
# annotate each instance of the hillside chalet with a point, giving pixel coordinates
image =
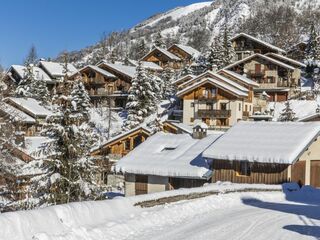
(246, 45)
(275, 77)
(163, 58)
(56, 70)
(267, 153)
(186, 53)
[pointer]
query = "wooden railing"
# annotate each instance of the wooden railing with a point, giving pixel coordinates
(214, 113)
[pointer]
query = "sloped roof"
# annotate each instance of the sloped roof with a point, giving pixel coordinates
(264, 142)
(189, 77)
(189, 50)
(146, 65)
(279, 63)
(241, 78)
(183, 127)
(171, 155)
(259, 41)
(29, 105)
(225, 86)
(97, 69)
(284, 58)
(38, 73)
(165, 52)
(55, 69)
(15, 114)
(129, 71)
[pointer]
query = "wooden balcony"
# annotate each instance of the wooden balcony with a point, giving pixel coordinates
(93, 81)
(256, 74)
(214, 113)
(208, 98)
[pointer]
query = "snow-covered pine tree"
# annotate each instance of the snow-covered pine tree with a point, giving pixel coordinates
(168, 88)
(80, 99)
(40, 91)
(186, 70)
(141, 99)
(31, 57)
(158, 40)
(228, 50)
(142, 49)
(200, 65)
(215, 56)
(287, 114)
(27, 83)
(312, 55)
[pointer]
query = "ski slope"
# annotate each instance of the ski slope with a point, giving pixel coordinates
(241, 215)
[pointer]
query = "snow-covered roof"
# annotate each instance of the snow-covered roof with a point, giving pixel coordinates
(184, 78)
(123, 69)
(200, 124)
(97, 69)
(29, 105)
(171, 155)
(258, 41)
(264, 142)
(55, 69)
(187, 49)
(183, 127)
(119, 136)
(38, 73)
(241, 78)
(165, 52)
(146, 65)
(284, 58)
(269, 59)
(15, 114)
(219, 81)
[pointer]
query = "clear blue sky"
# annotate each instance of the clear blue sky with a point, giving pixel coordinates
(57, 25)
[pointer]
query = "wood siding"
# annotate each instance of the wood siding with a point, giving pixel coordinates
(298, 172)
(141, 184)
(260, 173)
(176, 183)
(315, 174)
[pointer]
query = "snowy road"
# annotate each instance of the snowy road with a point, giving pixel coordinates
(252, 215)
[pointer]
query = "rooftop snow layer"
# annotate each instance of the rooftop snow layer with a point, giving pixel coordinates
(38, 73)
(146, 65)
(99, 70)
(190, 50)
(167, 53)
(166, 154)
(284, 58)
(264, 142)
(259, 41)
(15, 114)
(55, 69)
(127, 70)
(29, 105)
(242, 78)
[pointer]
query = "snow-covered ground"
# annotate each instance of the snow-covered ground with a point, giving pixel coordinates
(252, 215)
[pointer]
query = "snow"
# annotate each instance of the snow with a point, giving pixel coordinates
(215, 82)
(183, 79)
(247, 215)
(284, 58)
(34, 146)
(242, 78)
(301, 108)
(56, 70)
(190, 50)
(146, 65)
(127, 70)
(179, 12)
(264, 142)
(200, 124)
(166, 154)
(185, 128)
(97, 69)
(279, 63)
(259, 41)
(38, 73)
(165, 52)
(15, 114)
(29, 105)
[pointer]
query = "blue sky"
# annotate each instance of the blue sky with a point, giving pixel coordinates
(57, 25)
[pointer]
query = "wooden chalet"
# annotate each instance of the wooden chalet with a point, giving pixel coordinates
(56, 69)
(245, 45)
(186, 53)
(275, 77)
(163, 58)
(267, 153)
(216, 100)
(99, 83)
(120, 86)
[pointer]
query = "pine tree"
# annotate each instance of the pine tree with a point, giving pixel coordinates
(215, 57)
(80, 99)
(142, 49)
(31, 57)
(27, 83)
(228, 50)
(312, 55)
(158, 41)
(40, 91)
(141, 99)
(168, 88)
(287, 114)
(200, 65)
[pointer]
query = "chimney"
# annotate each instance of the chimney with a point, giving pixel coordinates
(199, 130)
(19, 139)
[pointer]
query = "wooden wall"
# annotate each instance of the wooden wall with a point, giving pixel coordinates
(260, 173)
(176, 183)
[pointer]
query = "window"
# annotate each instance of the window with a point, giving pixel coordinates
(192, 105)
(192, 120)
(127, 145)
(271, 79)
(239, 106)
(213, 92)
(244, 169)
(223, 106)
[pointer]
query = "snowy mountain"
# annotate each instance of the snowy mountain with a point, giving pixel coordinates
(284, 23)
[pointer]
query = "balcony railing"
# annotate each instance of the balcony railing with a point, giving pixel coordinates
(94, 81)
(256, 73)
(214, 113)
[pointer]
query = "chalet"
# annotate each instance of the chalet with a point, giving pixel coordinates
(98, 82)
(275, 77)
(246, 45)
(120, 87)
(268, 153)
(17, 72)
(163, 58)
(165, 162)
(216, 100)
(56, 70)
(186, 53)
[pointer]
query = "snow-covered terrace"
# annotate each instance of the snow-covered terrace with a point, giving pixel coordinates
(169, 155)
(264, 142)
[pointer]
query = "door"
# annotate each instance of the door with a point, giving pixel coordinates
(258, 68)
(315, 174)
(298, 171)
(141, 184)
